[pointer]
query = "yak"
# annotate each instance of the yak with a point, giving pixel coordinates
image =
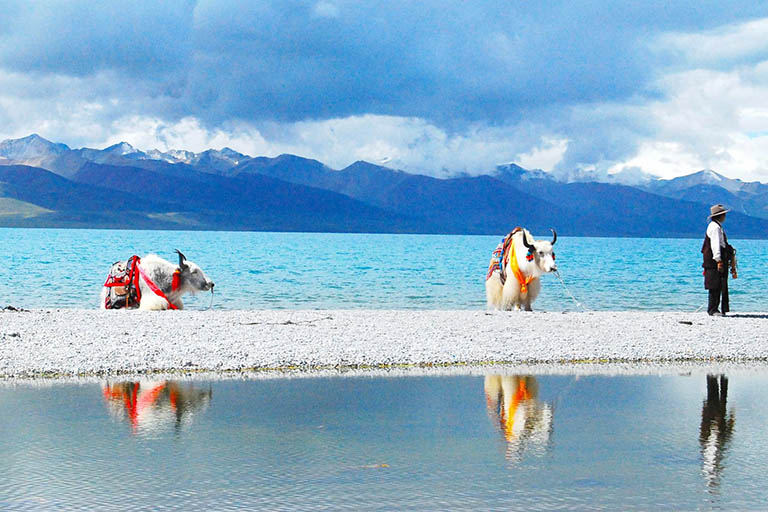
(512, 281)
(152, 283)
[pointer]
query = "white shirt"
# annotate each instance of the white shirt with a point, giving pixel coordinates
(716, 239)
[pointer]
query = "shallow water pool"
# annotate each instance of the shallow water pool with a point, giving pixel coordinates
(381, 443)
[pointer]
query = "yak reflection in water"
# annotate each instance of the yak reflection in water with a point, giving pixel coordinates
(525, 422)
(154, 405)
(716, 429)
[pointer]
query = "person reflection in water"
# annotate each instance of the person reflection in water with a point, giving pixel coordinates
(513, 404)
(154, 405)
(716, 429)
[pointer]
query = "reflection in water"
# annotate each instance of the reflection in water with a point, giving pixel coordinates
(153, 405)
(513, 404)
(716, 429)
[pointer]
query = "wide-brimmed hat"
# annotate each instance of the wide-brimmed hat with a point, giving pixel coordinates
(716, 210)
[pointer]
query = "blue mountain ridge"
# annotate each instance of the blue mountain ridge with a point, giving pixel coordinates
(126, 188)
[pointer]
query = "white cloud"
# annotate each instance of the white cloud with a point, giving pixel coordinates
(709, 120)
(326, 10)
(664, 159)
(410, 144)
(407, 143)
(188, 134)
(712, 114)
(730, 42)
(546, 156)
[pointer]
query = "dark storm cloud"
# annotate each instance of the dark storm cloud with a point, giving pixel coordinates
(443, 61)
(142, 40)
(291, 60)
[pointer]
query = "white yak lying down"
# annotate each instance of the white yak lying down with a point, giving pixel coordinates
(512, 281)
(160, 283)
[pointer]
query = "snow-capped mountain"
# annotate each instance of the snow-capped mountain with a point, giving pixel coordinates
(173, 156)
(113, 154)
(36, 151)
(704, 177)
(512, 172)
(33, 149)
(124, 149)
(221, 161)
(707, 178)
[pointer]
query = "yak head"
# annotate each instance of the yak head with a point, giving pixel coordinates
(193, 279)
(543, 255)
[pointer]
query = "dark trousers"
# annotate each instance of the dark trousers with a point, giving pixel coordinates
(718, 294)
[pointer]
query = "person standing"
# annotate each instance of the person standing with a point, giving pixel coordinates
(717, 255)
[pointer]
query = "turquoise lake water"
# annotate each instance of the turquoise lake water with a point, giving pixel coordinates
(511, 442)
(63, 268)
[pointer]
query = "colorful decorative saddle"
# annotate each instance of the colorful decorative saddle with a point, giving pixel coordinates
(500, 257)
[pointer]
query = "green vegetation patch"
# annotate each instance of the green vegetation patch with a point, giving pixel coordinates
(177, 217)
(14, 208)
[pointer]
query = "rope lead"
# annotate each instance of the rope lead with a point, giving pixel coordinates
(582, 306)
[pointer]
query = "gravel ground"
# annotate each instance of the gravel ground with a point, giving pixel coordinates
(67, 343)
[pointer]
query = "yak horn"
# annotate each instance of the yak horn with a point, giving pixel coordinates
(525, 243)
(554, 235)
(182, 259)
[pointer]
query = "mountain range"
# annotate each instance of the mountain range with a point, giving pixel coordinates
(47, 184)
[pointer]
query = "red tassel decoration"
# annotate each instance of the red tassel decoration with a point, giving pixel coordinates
(175, 282)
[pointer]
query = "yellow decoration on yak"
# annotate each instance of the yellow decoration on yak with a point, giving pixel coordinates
(524, 281)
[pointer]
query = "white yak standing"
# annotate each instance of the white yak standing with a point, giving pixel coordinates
(512, 281)
(160, 283)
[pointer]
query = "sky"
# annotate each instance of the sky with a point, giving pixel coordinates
(437, 87)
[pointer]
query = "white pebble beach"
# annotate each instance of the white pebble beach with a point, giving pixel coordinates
(75, 343)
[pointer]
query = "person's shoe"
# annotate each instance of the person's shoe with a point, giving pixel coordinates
(716, 313)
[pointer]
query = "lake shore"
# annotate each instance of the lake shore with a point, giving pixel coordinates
(70, 343)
